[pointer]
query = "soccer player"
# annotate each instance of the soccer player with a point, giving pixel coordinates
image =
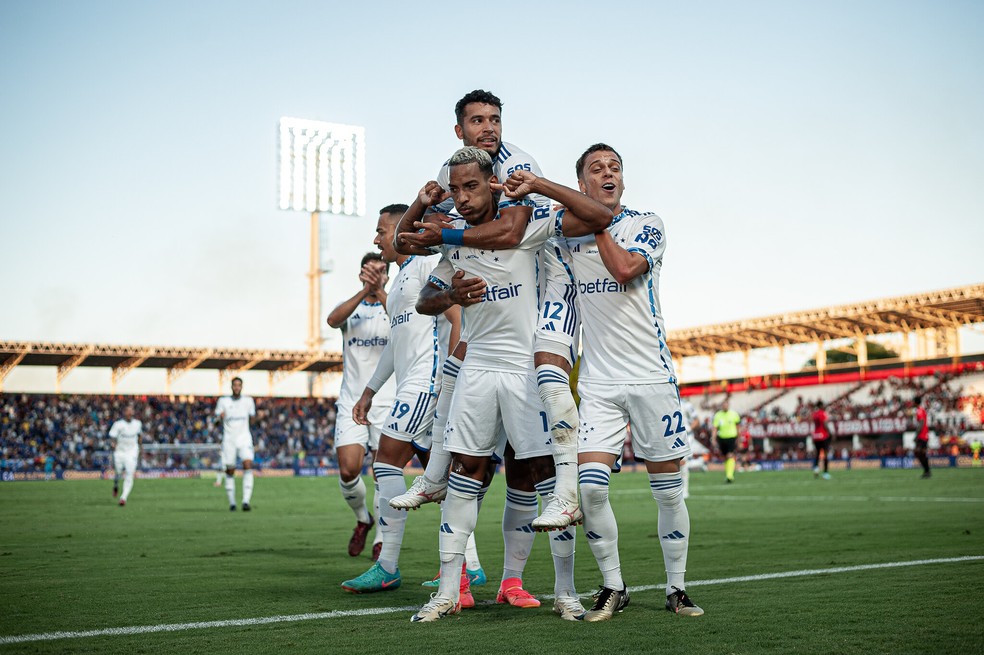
(922, 437)
(479, 124)
(495, 384)
(417, 344)
(724, 432)
(126, 431)
(823, 432)
(235, 412)
(365, 333)
(626, 375)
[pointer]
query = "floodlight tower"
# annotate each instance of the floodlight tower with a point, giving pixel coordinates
(322, 169)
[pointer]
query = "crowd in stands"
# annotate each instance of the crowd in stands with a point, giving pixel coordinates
(73, 430)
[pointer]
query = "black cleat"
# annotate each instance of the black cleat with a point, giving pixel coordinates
(606, 603)
(246, 507)
(116, 491)
(927, 474)
(232, 508)
(679, 603)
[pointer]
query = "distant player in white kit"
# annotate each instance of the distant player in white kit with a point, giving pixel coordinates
(235, 411)
(126, 431)
(365, 333)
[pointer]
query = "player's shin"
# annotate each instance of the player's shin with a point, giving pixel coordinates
(247, 486)
(230, 487)
(354, 493)
(673, 525)
(600, 526)
(553, 384)
(517, 531)
(459, 514)
(391, 522)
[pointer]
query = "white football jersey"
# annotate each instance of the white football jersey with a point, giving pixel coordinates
(500, 329)
(235, 415)
(414, 338)
(126, 433)
(624, 337)
(365, 335)
(510, 159)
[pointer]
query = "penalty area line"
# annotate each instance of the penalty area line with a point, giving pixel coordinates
(315, 616)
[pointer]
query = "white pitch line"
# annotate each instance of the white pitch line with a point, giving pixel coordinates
(290, 618)
(860, 499)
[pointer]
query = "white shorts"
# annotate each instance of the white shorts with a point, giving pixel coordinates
(485, 404)
(125, 461)
(558, 326)
(348, 432)
(411, 417)
(659, 432)
(241, 447)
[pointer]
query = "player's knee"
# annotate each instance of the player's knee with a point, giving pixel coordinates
(667, 488)
(594, 495)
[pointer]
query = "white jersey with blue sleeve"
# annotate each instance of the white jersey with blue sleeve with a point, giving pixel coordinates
(500, 328)
(413, 337)
(365, 334)
(624, 339)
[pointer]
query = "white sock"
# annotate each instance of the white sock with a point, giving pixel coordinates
(561, 548)
(390, 521)
(247, 485)
(599, 522)
(471, 554)
(554, 385)
(459, 514)
(377, 533)
(685, 472)
(517, 531)
(439, 464)
(230, 485)
(354, 493)
(127, 486)
(673, 525)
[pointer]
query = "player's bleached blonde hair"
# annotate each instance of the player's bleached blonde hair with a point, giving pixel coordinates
(472, 155)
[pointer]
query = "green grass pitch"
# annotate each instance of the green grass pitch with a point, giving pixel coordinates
(71, 560)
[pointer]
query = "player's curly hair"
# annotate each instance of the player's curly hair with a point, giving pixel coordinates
(579, 166)
(472, 155)
(478, 95)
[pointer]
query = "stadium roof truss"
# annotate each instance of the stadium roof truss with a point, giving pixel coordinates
(948, 309)
(943, 311)
(175, 360)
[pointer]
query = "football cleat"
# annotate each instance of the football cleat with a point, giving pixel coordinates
(122, 502)
(246, 507)
(826, 476)
(436, 608)
(376, 549)
(476, 578)
(511, 591)
(926, 475)
(558, 514)
(607, 603)
(420, 493)
(375, 579)
(358, 541)
(232, 508)
(568, 608)
(116, 491)
(679, 603)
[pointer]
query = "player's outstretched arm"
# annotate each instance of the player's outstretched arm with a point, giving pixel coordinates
(503, 234)
(583, 216)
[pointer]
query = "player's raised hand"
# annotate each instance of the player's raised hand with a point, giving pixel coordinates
(428, 233)
(466, 291)
(432, 194)
(517, 185)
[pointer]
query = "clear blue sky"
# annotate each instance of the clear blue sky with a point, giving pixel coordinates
(801, 154)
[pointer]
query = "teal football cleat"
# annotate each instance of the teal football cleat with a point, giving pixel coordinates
(375, 579)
